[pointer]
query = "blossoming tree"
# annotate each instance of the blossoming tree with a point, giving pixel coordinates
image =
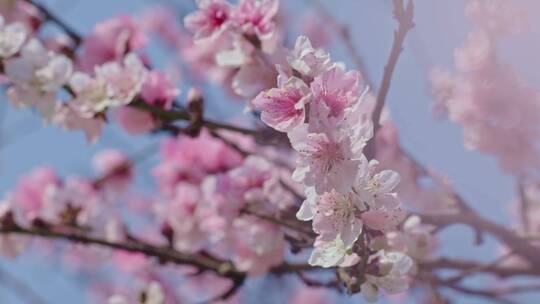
(315, 193)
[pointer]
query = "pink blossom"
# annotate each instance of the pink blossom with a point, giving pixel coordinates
(191, 159)
(123, 80)
(22, 12)
(498, 17)
(158, 90)
(375, 190)
(78, 194)
(36, 73)
(476, 54)
(111, 40)
(255, 17)
(284, 108)
(334, 215)
(29, 195)
(212, 18)
(91, 95)
(395, 267)
(259, 245)
(337, 90)
(12, 37)
(331, 253)
(326, 160)
(307, 60)
(184, 214)
(70, 118)
(416, 239)
(163, 22)
(134, 121)
(115, 168)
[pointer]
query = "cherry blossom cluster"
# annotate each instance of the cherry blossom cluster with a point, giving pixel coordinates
(318, 104)
(100, 79)
(309, 196)
(477, 96)
(237, 44)
(213, 196)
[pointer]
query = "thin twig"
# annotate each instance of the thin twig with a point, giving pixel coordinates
(523, 205)
(404, 16)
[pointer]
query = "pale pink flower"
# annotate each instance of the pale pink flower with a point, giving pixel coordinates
(28, 198)
(258, 246)
(111, 40)
(331, 253)
(210, 20)
(36, 73)
(91, 95)
(253, 184)
(71, 118)
(164, 23)
(416, 239)
(498, 17)
(253, 78)
(22, 12)
(393, 268)
(158, 90)
(476, 53)
(115, 168)
(337, 90)
(376, 190)
(307, 60)
(256, 17)
(325, 160)
(124, 80)
(134, 121)
(12, 37)
(184, 216)
(334, 215)
(191, 159)
(284, 108)
(75, 193)
(45, 103)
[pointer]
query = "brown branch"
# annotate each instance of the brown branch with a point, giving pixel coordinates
(175, 115)
(404, 16)
(523, 205)
(519, 245)
(163, 254)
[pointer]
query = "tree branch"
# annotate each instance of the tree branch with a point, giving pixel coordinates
(404, 16)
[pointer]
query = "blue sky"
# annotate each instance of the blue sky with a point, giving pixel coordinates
(440, 27)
